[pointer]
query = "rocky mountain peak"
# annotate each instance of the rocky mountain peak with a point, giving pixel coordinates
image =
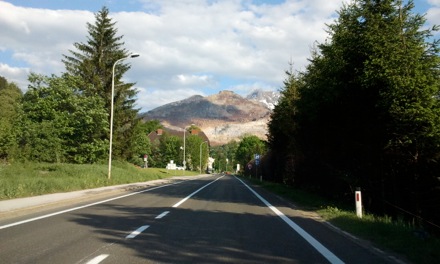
(223, 117)
(267, 98)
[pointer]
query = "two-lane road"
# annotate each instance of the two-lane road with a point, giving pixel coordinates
(215, 219)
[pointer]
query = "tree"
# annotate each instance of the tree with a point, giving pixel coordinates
(169, 149)
(282, 130)
(248, 146)
(150, 126)
(407, 68)
(368, 108)
(140, 145)
(193, 146)
(93, 62)
(61, 124)
(10, 98)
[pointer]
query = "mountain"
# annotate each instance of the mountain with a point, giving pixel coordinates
(267, 98)
(223, 117)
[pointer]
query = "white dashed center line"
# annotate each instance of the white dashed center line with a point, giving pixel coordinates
(137, 231)
(97, 259)
(162, 215)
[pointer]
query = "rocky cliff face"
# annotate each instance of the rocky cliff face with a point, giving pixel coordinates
(223, 117)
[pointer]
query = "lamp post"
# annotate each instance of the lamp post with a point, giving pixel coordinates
(184, 146)
(201, 155)
(111, 112)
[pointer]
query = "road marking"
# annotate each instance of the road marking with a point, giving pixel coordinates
(137, 231)
(332, 258)
(81, 207)
(97, 259)
(162, 215)
(189, 196)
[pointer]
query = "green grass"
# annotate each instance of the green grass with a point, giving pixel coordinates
(396, 236)
(30, 179)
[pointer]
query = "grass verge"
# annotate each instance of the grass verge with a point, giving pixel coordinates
(30, 179)
(396, 236)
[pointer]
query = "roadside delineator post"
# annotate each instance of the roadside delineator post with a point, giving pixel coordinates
(358, 198)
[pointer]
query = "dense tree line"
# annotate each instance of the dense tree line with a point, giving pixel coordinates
(10, 107)
(66, 118)
(366, 113)
(169, 147)
(228, 156)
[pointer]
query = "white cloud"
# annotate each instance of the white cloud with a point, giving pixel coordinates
(178, 41)
(186, 46)
(434, 2)
(245, 89)
(39, 37)
(433, 14)
(194, 80)
(15, 75)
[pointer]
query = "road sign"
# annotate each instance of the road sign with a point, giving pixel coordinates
(257, 159)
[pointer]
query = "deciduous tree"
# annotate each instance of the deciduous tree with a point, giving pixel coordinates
(10, 98)
(61, 124)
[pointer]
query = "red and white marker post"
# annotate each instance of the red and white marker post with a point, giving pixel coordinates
(358, 198)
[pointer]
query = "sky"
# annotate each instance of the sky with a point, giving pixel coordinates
(186, 47)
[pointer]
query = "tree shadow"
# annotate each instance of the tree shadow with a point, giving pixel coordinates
(233, 230)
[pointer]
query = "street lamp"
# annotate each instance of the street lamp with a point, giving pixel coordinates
(184, 146)
(201, 155)
(134, 55)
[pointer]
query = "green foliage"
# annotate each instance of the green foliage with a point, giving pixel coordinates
(224, 156)
(60, 124)
(366, 111)
(151, 125)
(10, 98)
(169, 149)
(194, 144)
(247, 148)
(93, 63)
(140, 145)
(282, 129)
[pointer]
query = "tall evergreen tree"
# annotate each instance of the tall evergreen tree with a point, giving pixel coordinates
(93, 62)
(368, 112)
(282, 128)
(406, 67)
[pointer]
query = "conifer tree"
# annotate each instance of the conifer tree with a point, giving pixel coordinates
(93, 61)
(282, 129)
(368, 113)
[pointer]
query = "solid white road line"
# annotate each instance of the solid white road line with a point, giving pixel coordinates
(189, 196)
(332, 258)
(137, 231)
(97, 259)
(81, 207)
(162, 215)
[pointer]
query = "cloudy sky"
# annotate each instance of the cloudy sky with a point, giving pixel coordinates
(186, 47)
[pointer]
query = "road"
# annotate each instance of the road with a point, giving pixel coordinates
(215, 219)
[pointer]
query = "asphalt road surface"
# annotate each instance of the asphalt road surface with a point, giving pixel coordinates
(215, 219)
